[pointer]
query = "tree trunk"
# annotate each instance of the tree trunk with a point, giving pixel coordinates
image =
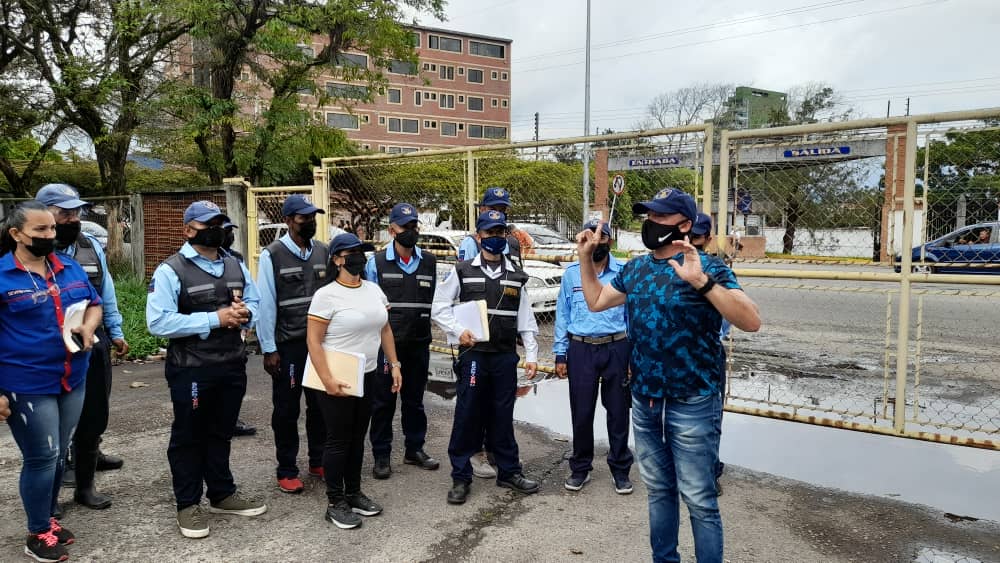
(112, 156)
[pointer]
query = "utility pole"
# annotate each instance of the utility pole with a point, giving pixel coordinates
(888, 107)
(536, 136)
(586, 125)
(907, 107)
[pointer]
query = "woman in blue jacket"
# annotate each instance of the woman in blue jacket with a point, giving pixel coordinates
(41, 379)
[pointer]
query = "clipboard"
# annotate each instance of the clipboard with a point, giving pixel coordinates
(348, 367)
(472, 315)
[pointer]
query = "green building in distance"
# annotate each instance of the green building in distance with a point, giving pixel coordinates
(750, 108)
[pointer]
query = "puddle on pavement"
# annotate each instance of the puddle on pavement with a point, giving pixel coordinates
(955, 479)
(929, 555)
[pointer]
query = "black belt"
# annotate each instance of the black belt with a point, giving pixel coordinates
(600, 339)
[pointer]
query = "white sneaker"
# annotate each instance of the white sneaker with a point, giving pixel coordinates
(481, 467)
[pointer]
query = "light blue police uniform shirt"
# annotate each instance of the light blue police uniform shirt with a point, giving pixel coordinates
(574, 317)
(112, 317)
(371, 272)
(267, 318)
(162, 318)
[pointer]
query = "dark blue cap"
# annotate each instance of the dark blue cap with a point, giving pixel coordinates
(592, 226)
(229, 225)
(489, 219)
(203, 212)
(298, 204)
(702, 225)
(60, 195)
(669, 200)
(346, 241)
(403, 214)
(495, 196)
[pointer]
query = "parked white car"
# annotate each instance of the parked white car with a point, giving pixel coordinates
(543, 281)
(548, 242)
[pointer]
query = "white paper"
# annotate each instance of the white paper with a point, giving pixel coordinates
(472, 316)
(73, 318)
(348, 367)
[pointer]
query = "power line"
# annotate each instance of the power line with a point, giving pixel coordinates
(738, 36)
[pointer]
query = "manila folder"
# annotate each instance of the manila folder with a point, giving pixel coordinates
(472, 315)
(348, 367)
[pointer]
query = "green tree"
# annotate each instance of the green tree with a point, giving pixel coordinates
(963, 165)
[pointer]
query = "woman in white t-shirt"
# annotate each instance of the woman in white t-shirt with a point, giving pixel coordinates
(348, 315)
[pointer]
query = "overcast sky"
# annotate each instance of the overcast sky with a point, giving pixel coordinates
(941, 53)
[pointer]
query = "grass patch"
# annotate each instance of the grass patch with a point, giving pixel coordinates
(131, 292)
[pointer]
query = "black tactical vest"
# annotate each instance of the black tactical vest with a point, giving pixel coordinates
(503, 298)
(87, 257)
(201, 292)
(410, 297)
(295, 282)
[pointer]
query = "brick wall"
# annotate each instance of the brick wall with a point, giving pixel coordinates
(163, 222)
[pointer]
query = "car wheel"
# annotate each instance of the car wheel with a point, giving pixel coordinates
(922, 269)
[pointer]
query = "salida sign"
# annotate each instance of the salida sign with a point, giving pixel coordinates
(817, 151)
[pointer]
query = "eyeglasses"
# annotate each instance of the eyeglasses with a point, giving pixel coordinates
(42, 295)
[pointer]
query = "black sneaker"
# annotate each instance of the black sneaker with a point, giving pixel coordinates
(458, 493)
(575, 482)
(361, 504)
(45, 548)
(244, 429)
(519, 483)
(623, 485)
(381, 469)
(64, 536)
(422, 460)
(341, 515)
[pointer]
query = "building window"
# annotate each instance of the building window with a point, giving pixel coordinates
(306, 89)
(449, 129)
(486, 49)
(434, 96)
(381, 120)
(427, 66)
(461, 70)
(503, 76)
(417, 100)
(475, 131)
(461, 99)
(504, 103)
(428, 124)
(343, 121)
(415, 38)
(394, 150)
(397, 125)
(494, 102)
(307, 51)
(366, 147)
(447, 72)
(447, 101)
(346, 91)
(402, 67)
(461, 127)
(491, 132)
(352, 59)
(494, 75)
(395, 96)
(442, 43)
(475, 76)
(475, 104)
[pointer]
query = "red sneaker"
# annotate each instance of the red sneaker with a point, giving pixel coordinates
(317, 472)
(65, 536)
(290, 485)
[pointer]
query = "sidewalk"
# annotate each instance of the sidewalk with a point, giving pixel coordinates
(767, 519)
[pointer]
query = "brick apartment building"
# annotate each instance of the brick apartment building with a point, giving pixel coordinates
(458, 94)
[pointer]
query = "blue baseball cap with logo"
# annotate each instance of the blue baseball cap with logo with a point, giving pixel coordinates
(64, 196)
(403, 214)
(495, 196)
(298, 204)
(490, 219)
(347, 241)
(669, 200)
(203, 212)
(702, 225)
(592, 226)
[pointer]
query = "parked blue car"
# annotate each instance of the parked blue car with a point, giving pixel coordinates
(974, 249)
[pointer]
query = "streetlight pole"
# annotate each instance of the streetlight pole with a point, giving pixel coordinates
(586, 125)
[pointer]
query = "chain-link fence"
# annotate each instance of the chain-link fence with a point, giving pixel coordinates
(820, 219)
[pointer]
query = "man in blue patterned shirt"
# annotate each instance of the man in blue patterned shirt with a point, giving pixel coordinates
(675, 299)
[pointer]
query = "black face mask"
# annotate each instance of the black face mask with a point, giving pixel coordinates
(407, 238)
(67, 233)
(229, 239)
(655, 235)
(601, 252)
(41, 246)
(307, 230)
(212, 237)
(355, 263)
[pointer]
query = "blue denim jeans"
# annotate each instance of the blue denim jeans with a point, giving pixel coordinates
(677, 447)
(42, 426)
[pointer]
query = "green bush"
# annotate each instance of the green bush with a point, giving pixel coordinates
(131, 292)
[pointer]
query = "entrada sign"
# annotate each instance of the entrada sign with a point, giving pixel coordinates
(818, 151)
(657, 161)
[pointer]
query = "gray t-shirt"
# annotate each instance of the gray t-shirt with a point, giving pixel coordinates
(356, 315)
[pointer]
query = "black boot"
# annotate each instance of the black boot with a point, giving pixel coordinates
(69, 469)
(85, 494)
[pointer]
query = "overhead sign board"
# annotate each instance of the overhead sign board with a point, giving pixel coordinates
(817, 151)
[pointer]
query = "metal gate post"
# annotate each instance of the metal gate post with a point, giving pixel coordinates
(903, 335)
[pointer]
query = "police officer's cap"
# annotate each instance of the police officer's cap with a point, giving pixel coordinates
(203, 212)
(667, 201)
(298, 204)
(592, 226)
(702, 225)
(490, 219)
(403, 214)
(60, 195)
(495, 196)
(347, 241)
